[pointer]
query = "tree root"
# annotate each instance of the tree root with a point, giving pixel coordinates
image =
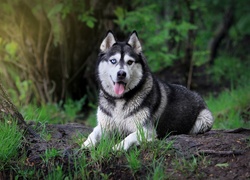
(219, 153)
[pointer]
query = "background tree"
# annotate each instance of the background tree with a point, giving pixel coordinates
(52, 46)
(48, 49)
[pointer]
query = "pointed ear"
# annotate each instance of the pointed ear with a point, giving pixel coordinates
(108, 42)
(134, 42)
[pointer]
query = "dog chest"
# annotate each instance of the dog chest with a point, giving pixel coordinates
(121, 115)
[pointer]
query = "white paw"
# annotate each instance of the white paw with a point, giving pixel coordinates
(87, 144)
(119, 147)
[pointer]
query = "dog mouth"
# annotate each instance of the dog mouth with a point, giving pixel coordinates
(119, 87)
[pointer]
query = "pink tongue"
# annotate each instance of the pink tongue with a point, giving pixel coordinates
(119, 88)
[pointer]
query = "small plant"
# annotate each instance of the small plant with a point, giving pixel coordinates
(10, 140)
(222, 165)
(157, 172)
(30, 173)
(82, 165)
(57, 173)
(134, 162)
(191, 165)
(44, 133)
(71, 108)
(49, 155)
(104, 150)
(186, 166)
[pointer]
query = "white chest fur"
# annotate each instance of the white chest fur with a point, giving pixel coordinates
(121, 118)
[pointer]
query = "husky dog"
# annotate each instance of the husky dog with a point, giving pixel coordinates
(132, 100)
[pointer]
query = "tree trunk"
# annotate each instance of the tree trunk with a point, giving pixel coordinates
(189, 46)
(220, 33)
(57, 51)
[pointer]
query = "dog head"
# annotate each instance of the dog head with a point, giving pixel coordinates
(120, 66)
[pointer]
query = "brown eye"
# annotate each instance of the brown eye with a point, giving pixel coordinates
(130, 62)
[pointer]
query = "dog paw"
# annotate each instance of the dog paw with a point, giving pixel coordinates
(120, 147)
(87, 144)
(117, 148)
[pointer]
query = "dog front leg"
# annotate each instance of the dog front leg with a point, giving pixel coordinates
(94, 137)
(135, 138)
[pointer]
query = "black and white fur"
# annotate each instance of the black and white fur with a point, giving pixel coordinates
(131, 97)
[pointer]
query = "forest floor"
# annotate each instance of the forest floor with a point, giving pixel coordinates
(218, 154)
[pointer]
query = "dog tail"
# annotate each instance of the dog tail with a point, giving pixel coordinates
(204, 122)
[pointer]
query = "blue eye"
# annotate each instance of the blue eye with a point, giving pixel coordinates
(113, 61)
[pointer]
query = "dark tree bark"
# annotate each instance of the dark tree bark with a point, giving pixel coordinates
(189, 46)
(220, 33)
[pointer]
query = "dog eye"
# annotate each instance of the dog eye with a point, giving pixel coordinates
(113, 61)
(130, 62)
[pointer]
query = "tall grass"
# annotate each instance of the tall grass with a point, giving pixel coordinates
(53, 113)
(10, 141)
(228, 107)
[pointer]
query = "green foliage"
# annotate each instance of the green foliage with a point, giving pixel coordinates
(104, 150)
(92, 120)
(71, 108)
(88, 18)
(230, 69)
(134, 162)
(165, 31)
(154, 43)
(57, 173)
(52, 112)
(185, 166)
(11, 49)
(30, 173)
(63, 10)
(229, 106)
(50, 155)
(158, 172)
(23, 87)
(10, 141)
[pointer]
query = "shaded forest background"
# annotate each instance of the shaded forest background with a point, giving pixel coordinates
(48, 49)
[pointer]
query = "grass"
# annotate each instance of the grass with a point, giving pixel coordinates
(133, 159)
(104, 149)
(10, 141)
(53, 113)
(229, 106)
(57, 173)
(50, 155)
(158, 171)
(190, 165)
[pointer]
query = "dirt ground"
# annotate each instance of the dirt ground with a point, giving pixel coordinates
(220, 154)
(227, 153)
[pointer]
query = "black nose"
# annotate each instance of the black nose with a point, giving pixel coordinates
(121, 74)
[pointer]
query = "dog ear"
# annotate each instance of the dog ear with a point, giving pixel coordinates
(134, 42)
(108, 42)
